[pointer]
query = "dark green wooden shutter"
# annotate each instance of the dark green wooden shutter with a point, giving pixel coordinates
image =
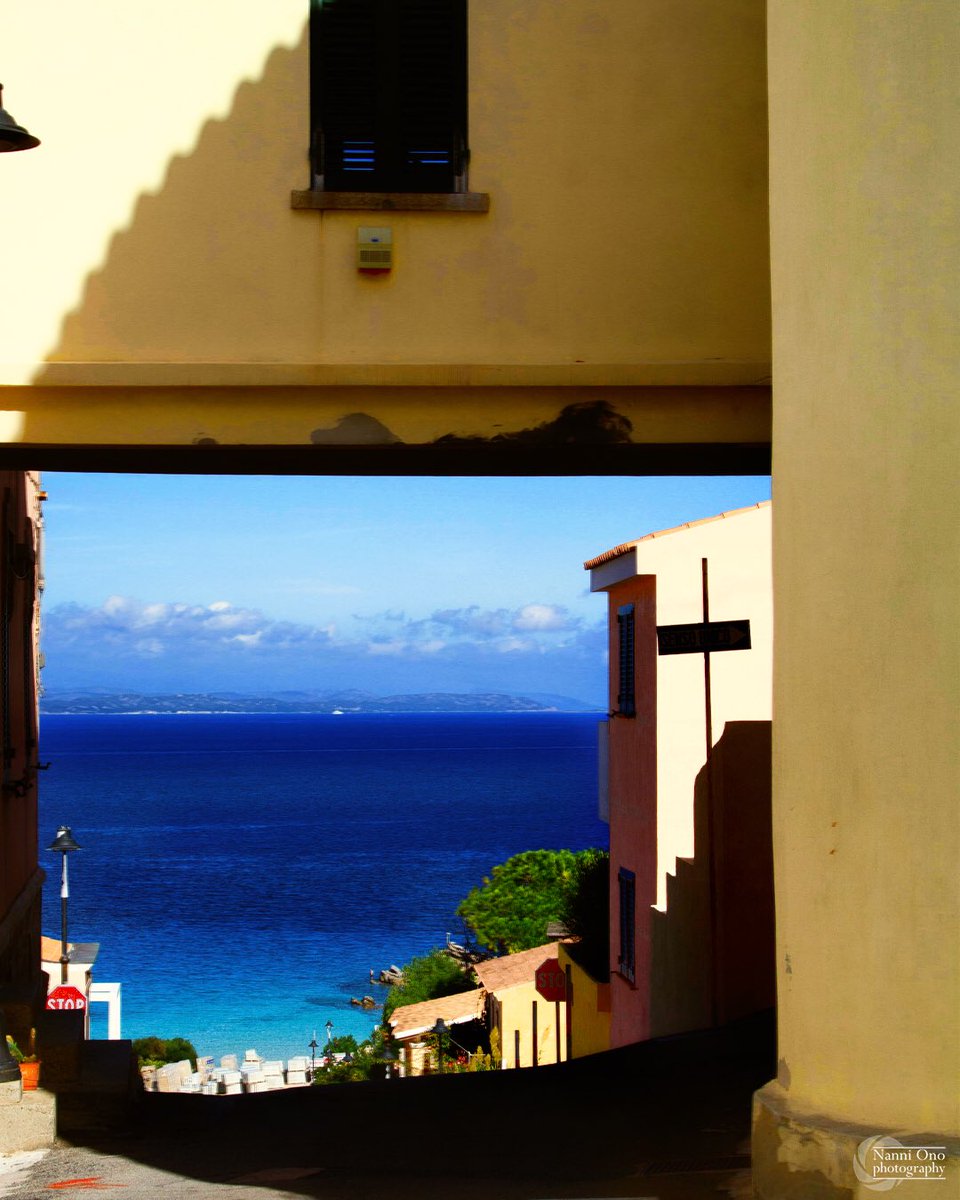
(627, 960)
(626, 685)
(389, 94)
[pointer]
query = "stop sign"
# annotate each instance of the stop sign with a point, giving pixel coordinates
(65, 998)
(550, 981)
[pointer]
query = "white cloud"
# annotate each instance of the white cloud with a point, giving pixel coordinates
(148, 647)
(248, 639)
(127, 644)
(542, 616)
(176, 629)
(514, 645)
(387, 648)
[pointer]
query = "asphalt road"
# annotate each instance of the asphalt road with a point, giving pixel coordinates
(667, 1120)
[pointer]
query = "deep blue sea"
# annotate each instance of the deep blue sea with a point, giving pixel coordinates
(243, 874)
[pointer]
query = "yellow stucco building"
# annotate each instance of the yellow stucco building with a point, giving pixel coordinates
(531, 1031)
(195, 294)
(588, 288)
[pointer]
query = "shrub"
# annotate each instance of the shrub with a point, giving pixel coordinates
(155, 1051)
(427, 978)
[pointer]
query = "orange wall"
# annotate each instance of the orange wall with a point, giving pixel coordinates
(19, 880)
(633, 807)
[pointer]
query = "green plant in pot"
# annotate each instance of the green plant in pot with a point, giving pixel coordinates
(27, 1060)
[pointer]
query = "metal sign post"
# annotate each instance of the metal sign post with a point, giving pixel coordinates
(707, 637)
(551, 983)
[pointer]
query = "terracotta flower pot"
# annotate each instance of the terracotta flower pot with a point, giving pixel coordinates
(30, 1075)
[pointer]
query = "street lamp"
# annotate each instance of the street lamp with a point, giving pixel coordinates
(12, 135)
(440, 1029)
(313, 1055)
(389, 1056)
(62, 844)
(329, 1031)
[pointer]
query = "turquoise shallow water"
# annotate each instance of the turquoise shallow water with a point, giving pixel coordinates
(243, 874)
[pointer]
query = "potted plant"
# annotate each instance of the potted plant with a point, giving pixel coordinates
(27, 1060)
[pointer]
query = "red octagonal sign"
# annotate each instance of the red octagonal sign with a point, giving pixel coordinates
(65, 998)
(550, 981)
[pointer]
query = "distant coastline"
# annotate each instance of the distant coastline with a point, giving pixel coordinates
(333, 704)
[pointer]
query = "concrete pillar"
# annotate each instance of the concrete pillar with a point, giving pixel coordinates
(864, 173)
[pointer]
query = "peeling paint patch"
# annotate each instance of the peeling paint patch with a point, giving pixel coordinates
(356, 429)
(590, 423)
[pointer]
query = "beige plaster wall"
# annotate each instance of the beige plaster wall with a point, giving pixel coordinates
(737, 549)
(622, 143)
(866, 449)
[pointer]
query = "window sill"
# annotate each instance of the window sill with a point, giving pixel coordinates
(392, 201)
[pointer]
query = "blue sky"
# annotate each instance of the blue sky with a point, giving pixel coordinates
(160, 583)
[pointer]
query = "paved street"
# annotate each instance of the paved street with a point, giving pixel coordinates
(71, 1171)
(669, 1120)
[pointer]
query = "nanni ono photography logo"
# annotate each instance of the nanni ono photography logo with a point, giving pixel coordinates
(880, 1163)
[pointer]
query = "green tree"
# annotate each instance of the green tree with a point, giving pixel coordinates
(156, 1050)
(511, 909)
(344, 1043)
(427, 978)
(586, 913)
(365, 1060)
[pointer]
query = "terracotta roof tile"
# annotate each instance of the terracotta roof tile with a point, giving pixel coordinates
(50, 949)
(609, 555)
(513, 969)
(77, 952)
(411, 1019)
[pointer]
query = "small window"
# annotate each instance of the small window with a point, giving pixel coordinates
(389, 95)
(626, 685)
(627, 962)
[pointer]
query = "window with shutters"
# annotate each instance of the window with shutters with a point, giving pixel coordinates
(626, 669)
(389, 95)
(626, 960)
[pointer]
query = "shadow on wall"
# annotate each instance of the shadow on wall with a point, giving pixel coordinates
(743, 953)
(206, 269)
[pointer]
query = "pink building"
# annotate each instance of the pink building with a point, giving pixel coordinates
(687, 785)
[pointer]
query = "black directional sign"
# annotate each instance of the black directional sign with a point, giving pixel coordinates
(704, 637)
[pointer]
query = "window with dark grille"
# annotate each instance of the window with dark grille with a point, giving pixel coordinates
(626, 686)
(389, 95)
(626, 961)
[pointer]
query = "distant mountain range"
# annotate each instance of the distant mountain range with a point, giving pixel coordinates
(93, 702)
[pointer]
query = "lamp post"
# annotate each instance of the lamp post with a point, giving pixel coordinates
(313, 1056)
(389, 1056)
(13, 136)
(440, 1029)
(62, 844)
